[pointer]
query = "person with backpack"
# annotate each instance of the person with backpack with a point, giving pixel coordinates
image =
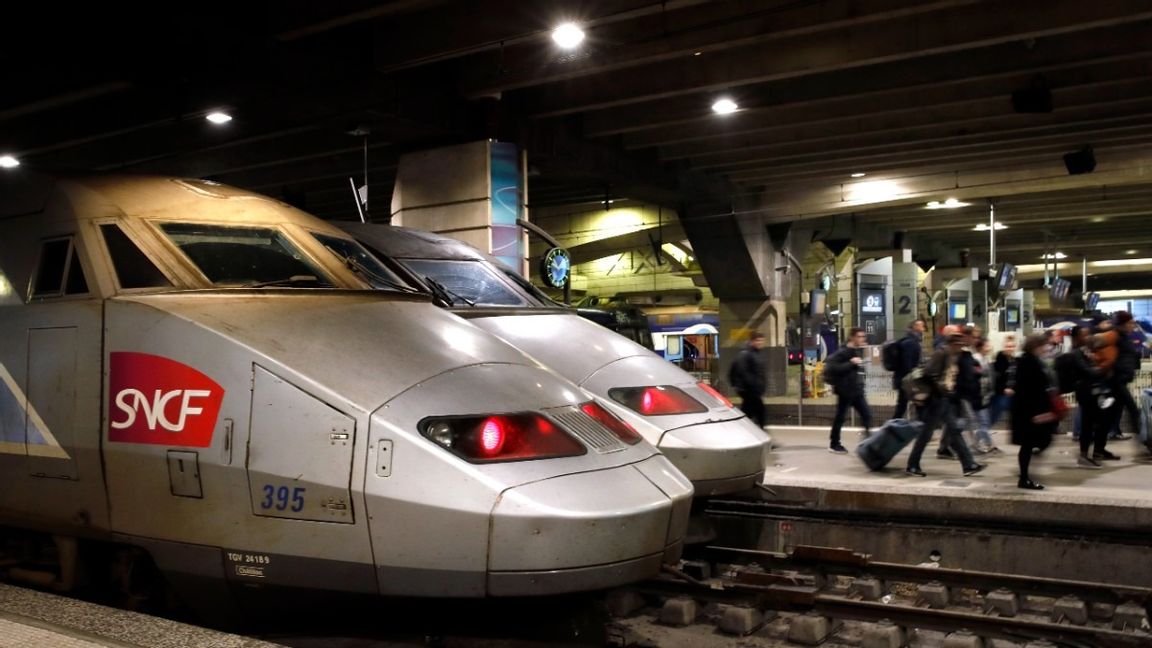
(942, 376)
(748, 377)
(844, 370)
(901, 357)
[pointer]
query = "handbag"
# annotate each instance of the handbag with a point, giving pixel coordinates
(1059, 405)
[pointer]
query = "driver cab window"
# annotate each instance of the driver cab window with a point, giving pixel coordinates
(58, 272)
(133, 268)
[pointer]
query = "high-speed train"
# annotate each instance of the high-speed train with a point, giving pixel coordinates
(711, 442)
(239, 391)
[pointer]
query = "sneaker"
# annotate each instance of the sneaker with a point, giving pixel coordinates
(1105, 456)
(1084, 461)
(945, 454)
(974, 469)
(837, 448)
(1028, 484)
(1119, 436)
(916, 472)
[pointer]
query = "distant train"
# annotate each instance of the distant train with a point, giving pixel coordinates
(202, 375)
(711, 442)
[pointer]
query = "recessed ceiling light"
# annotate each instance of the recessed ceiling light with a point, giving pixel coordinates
(568, 35)
(859, 175)
(697, 53)
(983, 227)
(1098, 219)
(8, 162)
(1129, 251)
(219, 117)
(724, 106)
(1054, 255)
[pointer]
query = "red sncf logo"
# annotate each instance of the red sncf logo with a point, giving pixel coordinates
(152, 399)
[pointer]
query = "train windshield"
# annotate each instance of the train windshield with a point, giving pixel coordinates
(470, 280)
(365, 265)
(248, 257)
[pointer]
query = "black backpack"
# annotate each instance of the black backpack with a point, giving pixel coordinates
(891, 355)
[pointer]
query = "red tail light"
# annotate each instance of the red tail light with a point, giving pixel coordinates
(715, 394)
(503, 437)
(620, 428)
(656, 401)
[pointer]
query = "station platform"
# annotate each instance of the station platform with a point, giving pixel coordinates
(1087, 525)
(1117, 496)
(33, 619)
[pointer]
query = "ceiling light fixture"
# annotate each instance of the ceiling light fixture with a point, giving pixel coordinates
(697, 53)
(218, 117)
(1054, 255)
(951, 203)
(1129, 251)
(983, 227)
(568, 35)
(859, 175)
(8, 162)
(724, 106)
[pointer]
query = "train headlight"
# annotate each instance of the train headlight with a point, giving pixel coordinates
(656, 401)
(715, 394)
(618, 426)
(501, 437)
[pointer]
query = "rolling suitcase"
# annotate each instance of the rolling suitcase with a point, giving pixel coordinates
(877, 450)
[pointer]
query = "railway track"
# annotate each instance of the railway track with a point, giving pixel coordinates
(813, 595)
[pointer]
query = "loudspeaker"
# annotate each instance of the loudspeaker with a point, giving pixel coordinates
(1082, 161)
(1032, 100)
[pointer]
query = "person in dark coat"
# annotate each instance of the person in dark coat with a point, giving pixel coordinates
(845, 372)
(1079, 367)
(910, 346)
(748, 377)
(1033, 421)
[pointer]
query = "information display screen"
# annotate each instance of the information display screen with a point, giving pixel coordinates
(872, 302)
(958, 311)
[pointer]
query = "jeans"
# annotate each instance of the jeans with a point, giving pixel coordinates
(857, 402)
(941, 411)
(997, 407)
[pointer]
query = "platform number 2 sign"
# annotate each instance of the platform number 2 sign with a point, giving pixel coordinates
(904, 305)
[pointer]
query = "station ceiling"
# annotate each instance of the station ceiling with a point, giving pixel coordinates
(931, 99)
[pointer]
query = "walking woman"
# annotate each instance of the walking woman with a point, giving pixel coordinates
(1033, 418)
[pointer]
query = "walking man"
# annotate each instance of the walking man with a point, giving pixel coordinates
(845, 372)
(910, 346)
(747, 376)
(943, 373)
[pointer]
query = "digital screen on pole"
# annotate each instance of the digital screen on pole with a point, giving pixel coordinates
(1012, 315)
(871, 302)
(958, 311)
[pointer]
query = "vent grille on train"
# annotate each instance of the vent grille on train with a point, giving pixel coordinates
(588, 429)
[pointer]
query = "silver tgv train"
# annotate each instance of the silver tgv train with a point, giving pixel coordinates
(205, 376)
(711, 442)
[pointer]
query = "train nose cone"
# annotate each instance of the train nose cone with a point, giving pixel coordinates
(720, 457)
(588, 530)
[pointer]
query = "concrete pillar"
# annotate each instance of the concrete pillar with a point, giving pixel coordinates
(739, 318)
(472, 192)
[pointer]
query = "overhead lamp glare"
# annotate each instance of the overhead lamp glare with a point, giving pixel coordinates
(724, 106)
(8, 162)
(219, 117)
(1054, 255)
(983, 227)
(567, 35)
(859, 175)
(950, 203)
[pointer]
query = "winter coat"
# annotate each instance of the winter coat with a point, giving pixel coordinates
(1031, 399)
(846, 378)
(910, 353)
(748, 373)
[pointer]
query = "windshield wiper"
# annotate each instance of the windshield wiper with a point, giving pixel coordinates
(286, 281)
(373, 277)
(444, 294)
